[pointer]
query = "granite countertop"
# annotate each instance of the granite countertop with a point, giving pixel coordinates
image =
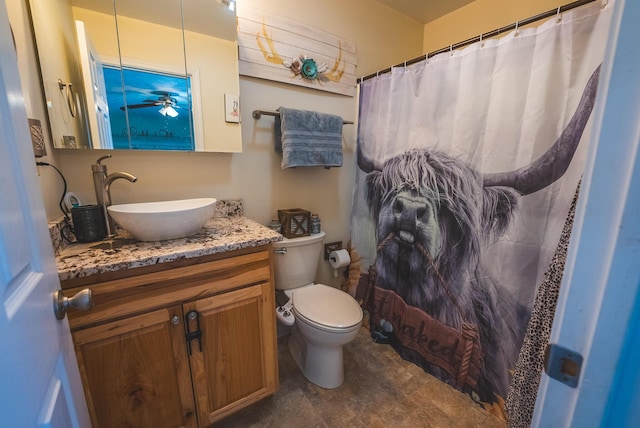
(219, 235)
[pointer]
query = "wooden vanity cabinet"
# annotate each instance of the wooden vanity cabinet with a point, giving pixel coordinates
(180, 347)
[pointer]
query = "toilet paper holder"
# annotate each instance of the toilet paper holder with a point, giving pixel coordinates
(331, 246)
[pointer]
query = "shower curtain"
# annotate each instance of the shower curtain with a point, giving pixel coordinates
(466, 173)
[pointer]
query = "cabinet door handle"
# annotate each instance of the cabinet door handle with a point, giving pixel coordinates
(193, 317)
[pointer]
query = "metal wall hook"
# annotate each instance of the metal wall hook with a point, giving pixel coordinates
(70, 95)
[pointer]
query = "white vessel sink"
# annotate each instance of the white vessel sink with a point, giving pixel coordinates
(158, 221)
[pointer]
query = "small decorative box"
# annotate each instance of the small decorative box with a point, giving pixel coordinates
(296, 222)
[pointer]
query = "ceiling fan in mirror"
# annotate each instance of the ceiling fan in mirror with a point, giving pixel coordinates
(166, 101)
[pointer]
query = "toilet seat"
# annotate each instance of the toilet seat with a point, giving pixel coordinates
(340, 330)
(326, 308)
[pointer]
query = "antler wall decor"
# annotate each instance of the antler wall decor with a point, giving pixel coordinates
(276, 48)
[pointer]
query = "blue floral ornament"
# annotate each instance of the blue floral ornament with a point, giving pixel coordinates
(309, 69)
(306, 67)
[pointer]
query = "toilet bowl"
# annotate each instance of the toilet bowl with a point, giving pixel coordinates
(325, 318)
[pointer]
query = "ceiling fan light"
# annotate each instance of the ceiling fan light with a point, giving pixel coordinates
(168, 111)
(171, 112)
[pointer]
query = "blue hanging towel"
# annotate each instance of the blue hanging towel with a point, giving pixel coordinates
(308, 138)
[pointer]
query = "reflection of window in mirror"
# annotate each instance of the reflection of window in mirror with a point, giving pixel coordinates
(153, 112)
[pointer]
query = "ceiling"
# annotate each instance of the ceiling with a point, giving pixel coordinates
(425, 10)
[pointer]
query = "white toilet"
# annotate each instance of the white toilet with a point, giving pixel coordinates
(324, 318)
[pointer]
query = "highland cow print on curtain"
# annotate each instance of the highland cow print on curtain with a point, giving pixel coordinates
(468, 163)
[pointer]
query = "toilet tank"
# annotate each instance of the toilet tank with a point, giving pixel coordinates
(296, 260)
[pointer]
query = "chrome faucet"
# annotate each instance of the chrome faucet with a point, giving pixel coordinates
(102, 186)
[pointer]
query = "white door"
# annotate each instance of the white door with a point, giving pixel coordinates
(598, 314)
(95, 90)
(40, 383)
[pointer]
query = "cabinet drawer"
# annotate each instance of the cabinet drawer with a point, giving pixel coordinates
(137, 294)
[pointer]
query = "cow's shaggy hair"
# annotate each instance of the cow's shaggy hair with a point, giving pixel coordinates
(433, 217)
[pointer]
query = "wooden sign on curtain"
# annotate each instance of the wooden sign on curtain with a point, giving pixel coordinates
(283, 50)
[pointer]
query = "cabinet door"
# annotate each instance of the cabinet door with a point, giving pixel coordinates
(238, 362)
(136, 371)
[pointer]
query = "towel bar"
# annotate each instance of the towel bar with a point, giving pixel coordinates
(258, 113)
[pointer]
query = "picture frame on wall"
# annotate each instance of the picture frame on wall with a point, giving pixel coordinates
(232, 108)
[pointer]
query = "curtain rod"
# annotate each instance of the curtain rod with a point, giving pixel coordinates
(493, 33)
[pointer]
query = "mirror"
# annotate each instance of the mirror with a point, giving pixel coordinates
(140, 75)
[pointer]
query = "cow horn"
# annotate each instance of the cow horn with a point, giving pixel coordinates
(551, 165)
(367, 164)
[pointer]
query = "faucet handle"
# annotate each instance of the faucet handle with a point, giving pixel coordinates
(101, 158)
(98, 167)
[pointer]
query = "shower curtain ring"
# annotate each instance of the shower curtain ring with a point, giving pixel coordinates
(405, 65)
(605, 3)
(517, 32)
(451, 50)
(558, 14)
(481, 42)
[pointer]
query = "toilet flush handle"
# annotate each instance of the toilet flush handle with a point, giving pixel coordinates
(280, 250)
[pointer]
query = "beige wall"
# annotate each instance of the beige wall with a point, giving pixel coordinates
(50, 181)
(382, 37)
(478, 17)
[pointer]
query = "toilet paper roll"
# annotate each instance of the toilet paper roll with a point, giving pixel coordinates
(338, 259)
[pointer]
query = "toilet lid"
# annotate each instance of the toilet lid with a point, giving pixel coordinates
(327, 306)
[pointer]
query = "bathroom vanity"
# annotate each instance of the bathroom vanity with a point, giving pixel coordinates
(182, 333)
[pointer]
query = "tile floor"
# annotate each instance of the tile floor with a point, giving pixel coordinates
(380, 390)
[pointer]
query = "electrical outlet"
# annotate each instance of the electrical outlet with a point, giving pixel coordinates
(331, 246)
